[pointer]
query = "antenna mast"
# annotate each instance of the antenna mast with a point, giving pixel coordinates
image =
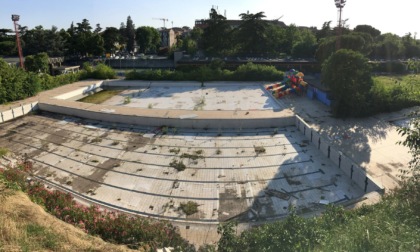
(15, 19)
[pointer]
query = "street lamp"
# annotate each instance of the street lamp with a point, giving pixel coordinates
(15, 19)
(340, 5)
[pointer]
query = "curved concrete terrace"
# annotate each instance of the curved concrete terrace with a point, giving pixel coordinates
(223, 119)
(64, 149)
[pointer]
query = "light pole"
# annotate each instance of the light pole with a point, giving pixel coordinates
(340, 5)
(15, 19)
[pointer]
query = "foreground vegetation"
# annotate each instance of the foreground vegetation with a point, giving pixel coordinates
(213, 72)
(391, 225)
(17, 84)
(135, 232)
(25, 226)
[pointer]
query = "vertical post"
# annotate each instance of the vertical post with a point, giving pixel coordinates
(329, 151)
(15, 18)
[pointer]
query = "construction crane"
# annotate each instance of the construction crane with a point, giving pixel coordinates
(164, 21)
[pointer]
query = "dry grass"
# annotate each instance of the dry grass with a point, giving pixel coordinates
(100, 97)
(25, 226)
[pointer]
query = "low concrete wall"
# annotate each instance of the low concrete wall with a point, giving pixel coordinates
(81, 91)
(143, 84)
(17, 111)
(173, 118)
(356, 173)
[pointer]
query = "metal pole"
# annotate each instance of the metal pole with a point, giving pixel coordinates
(18, 44)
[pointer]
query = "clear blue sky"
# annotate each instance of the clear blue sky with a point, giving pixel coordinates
(399, 17)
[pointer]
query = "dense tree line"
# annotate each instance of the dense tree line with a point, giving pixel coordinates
(254, 36)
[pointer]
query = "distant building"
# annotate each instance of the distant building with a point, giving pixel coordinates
(169, 37)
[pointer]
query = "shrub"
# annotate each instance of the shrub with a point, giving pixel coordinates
(178, 165)
(103, 71)
(135, 232)
(248, 72)
(189, 208)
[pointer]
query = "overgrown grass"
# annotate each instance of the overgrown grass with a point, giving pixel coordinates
(391, 225)
(391, 93)
(100, 97)
(3, 151)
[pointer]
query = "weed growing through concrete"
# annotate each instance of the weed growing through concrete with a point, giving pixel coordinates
(150, 106)
(218, 151)
(96, 140)
(189, 208)
(174, 150)
(164, 130)
(114, 143)
(3, 151)
(259, 149)
(178, 165)
(127, 100)
(197, 155)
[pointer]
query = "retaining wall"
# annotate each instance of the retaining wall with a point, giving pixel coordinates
(13, 113)
(172, 118)
(356, 173)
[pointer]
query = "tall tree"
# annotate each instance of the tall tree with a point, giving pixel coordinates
(347, 74)
(148, 38)
(112, 39)
(367, 29)
(7, 43)
(217, 36)
(252, 33)
(130, 34)
(306, 47)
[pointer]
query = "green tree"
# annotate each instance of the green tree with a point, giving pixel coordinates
(148, 38)
(368, 29)
(216, 39)
(39, 40)
(7, 43)
(347, 74)
(37, 63)
(388, 46)
(112, 39)
(130, 34)
(252, 35)
(306, 47)
(227, 241)
(325, 32)
(354, 41)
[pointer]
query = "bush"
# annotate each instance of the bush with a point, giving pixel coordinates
(103, 72)
(135, 232)
(248, 72)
